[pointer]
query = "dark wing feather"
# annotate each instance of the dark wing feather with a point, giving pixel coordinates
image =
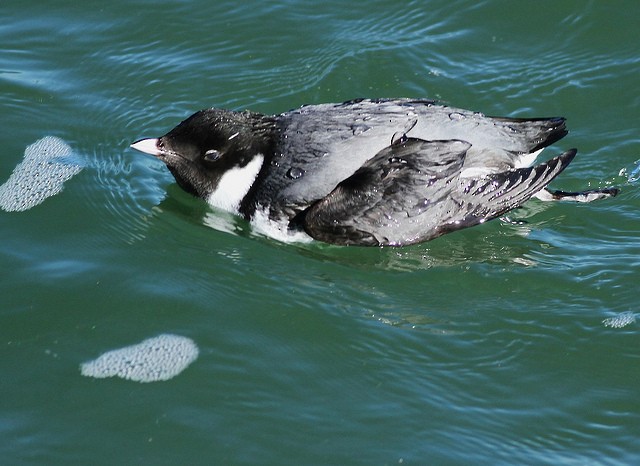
(374, 205)
(411, 192)
(535, 133)
(493, 195)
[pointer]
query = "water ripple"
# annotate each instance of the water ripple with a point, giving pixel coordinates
(124, 192)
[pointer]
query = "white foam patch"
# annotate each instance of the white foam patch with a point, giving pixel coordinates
(621, 320)
(47, 164)
(262, 224)
(152, 360)
(234, 185)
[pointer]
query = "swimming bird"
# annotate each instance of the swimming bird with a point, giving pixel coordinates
(383, 172)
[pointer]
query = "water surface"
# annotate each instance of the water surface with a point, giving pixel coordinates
(486, 346)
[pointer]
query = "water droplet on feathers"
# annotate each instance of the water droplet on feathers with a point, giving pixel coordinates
(294, 173)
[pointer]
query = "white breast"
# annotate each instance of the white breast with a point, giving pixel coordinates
(235, 184)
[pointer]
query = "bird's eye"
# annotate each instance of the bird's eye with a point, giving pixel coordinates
(212, 155)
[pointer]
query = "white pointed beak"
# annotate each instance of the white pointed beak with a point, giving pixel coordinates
(148, 146)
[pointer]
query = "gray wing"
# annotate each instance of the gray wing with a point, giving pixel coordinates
(411, 192)
(337, 139)
(383, 201)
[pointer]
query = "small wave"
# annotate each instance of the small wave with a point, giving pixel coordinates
(124, 190)
(632, 173)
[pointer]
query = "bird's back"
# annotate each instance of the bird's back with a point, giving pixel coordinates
(318, 146)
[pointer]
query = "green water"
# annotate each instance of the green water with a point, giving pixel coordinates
(485, 346)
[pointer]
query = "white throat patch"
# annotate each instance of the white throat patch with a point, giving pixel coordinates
(235, 184)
